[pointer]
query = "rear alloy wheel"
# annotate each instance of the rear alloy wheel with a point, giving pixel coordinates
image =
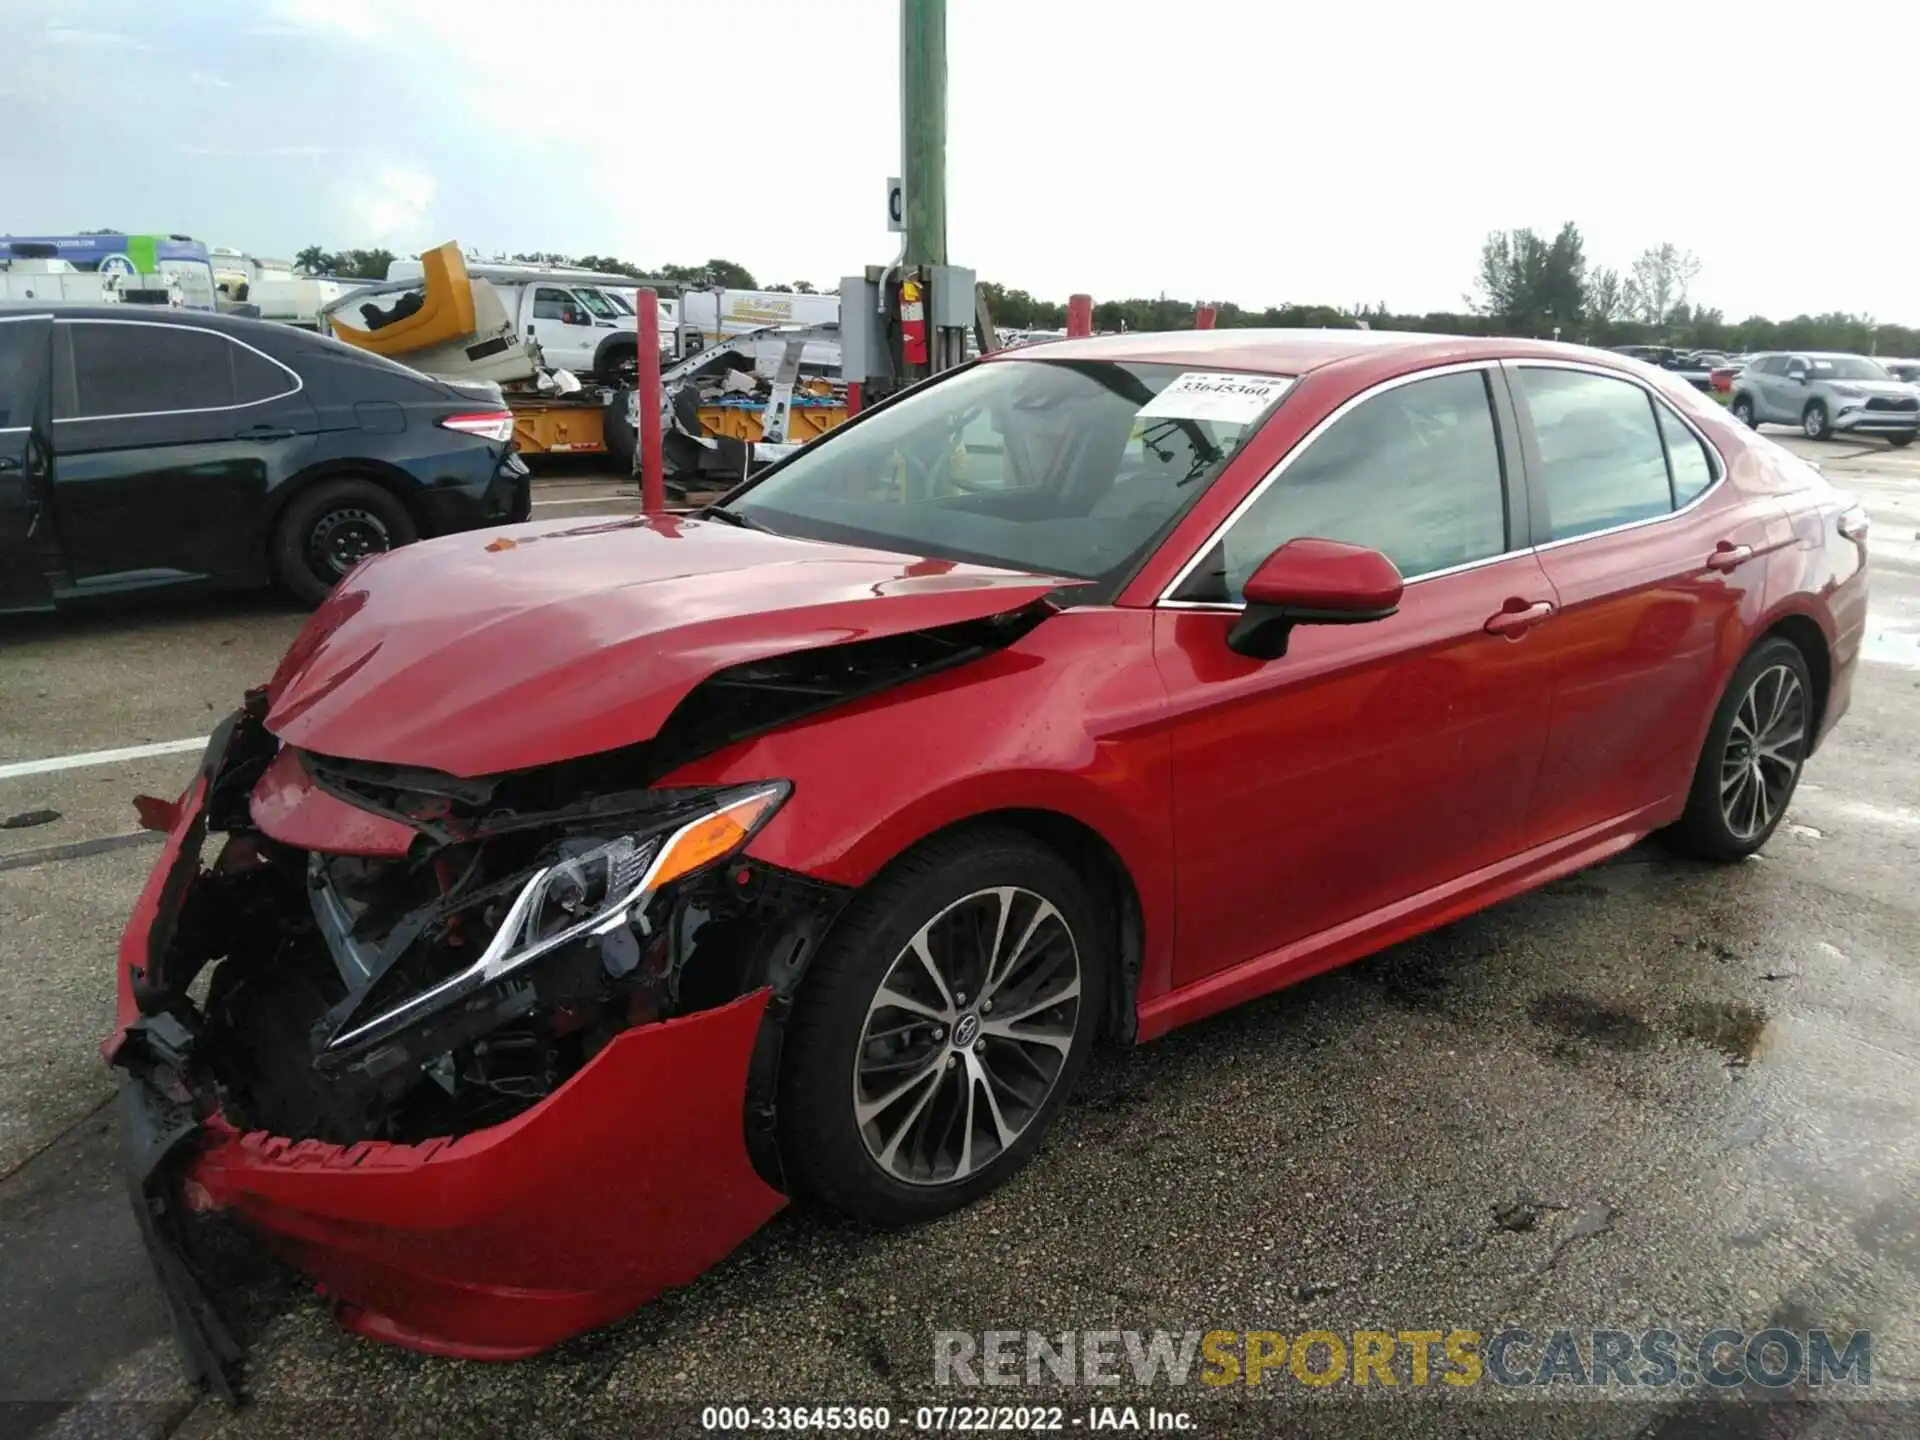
(1743, 411)
(331, 528)
(1748, 769)
(1814, 421)
(941, 1029)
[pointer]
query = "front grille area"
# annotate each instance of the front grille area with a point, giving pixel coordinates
(1887, 402)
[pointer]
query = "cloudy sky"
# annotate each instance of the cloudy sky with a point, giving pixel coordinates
(1256, 150)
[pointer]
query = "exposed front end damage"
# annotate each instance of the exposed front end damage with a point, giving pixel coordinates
(490, 1059)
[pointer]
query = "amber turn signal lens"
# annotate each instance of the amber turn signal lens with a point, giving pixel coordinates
(712, 837)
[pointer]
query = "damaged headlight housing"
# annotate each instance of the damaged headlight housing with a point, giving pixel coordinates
(593, 892)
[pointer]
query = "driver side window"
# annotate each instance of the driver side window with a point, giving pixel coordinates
(549, 304)
(1414, 472)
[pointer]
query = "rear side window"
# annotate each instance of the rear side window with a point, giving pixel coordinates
(19, 371)
(140, 369)
(110, 368)
(1413, 472)
(1687, 458)
(1602, 462)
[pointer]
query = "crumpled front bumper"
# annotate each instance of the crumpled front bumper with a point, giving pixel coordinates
(630, 1178)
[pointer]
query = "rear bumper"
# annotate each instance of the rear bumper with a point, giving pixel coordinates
(633, 1176)
(504, 498)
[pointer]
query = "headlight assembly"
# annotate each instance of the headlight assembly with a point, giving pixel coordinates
(588, 893)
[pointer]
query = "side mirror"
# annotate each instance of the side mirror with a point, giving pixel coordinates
(1312, 582)
(1798, 376)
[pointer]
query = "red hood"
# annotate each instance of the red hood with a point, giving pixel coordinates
(501, 649)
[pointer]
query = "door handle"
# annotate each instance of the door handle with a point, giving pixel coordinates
(1728, 556)
(1518, 617)
(265, 432)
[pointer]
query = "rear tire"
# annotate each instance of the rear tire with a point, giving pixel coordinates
(1743, 411)
(618, 430)
(1814, 422)
(328, 529)
(898, 1112)
(1751, 761)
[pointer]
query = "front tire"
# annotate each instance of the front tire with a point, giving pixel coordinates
(940, 1031)
(1751, 762)
(1743, 411)
(329, 529)
(1814, 421)
(1899, 442)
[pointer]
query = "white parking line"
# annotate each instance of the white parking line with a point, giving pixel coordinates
(14, 768)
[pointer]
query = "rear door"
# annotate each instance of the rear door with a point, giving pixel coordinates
(1630, 507)
(167, 439)
(1760, 380)
(26, 526)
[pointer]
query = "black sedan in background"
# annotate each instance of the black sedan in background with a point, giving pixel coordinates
(142, 448)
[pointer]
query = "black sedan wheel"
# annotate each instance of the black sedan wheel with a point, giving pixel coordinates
(1750, 765)
(942, 1027)
(331, 528)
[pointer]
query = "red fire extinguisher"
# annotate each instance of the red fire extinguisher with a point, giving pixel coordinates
(913, 323)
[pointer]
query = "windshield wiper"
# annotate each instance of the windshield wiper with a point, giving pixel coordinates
(732, 517)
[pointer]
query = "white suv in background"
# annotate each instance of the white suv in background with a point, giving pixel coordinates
(1824, 394)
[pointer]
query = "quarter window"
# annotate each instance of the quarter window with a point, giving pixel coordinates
(1687, 458)
(145, 369)
(1413, 472)
(1602, 462)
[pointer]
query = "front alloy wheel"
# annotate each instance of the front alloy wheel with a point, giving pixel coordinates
(942, 1026)
(967, 1036)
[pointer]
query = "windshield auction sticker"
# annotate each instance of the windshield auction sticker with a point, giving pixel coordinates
(1217, 395)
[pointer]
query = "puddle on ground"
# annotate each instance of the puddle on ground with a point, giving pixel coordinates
(1577, 1017)
(1732, 1027)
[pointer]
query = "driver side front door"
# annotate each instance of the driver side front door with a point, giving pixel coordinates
(1375, 765)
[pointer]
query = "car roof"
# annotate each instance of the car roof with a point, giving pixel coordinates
(1296, 352)
(154, 315)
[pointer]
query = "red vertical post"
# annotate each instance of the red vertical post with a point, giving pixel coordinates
(1079, 315)
(653, 473)
(1204, 317)
(853, 398)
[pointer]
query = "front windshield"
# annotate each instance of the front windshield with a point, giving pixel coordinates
(1062, 467)
(1846, 367)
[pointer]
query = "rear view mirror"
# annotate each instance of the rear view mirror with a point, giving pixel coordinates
(1313, 582)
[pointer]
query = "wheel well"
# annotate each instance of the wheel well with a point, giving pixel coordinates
(1087, 850)
(391, 481)
(1807, 638)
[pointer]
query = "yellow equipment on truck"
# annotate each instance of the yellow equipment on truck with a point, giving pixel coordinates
(727, 409)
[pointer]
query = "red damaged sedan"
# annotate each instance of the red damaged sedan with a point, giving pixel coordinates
(575, 894)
